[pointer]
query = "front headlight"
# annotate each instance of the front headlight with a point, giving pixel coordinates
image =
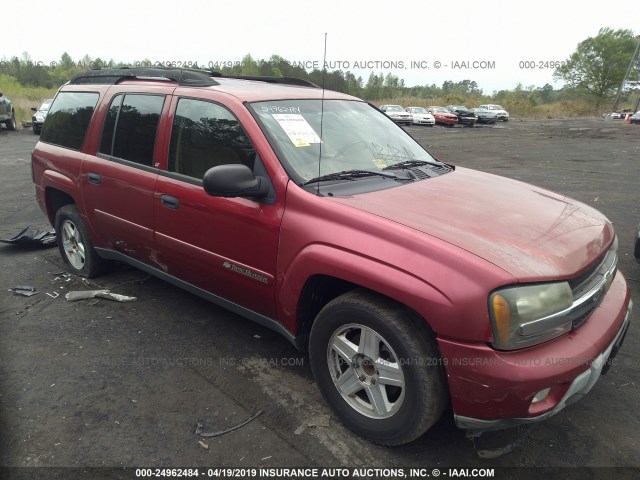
(526, 315)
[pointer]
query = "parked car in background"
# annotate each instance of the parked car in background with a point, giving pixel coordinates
(465, 116)
(40, 114)
(7, 114)
(443, 116)
(499, 110)
(484, 115)
(635, 118)
(397, 114)
(636, 249)
(421, 116)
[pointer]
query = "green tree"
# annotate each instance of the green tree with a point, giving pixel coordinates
(599, 63)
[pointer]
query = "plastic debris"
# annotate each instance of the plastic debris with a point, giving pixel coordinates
(203, 445)
(300, 429)
(226, 430)
(319, 421)
(31, 237)
(24, 290)
(84, 294)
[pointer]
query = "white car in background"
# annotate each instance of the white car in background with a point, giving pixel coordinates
(501, 112)
(397, 114)
(421, 116)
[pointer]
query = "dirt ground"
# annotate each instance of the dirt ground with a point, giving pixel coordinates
(101, 383)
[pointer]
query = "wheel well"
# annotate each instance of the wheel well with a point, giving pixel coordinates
(317, 292)
(320, 290)
(56, 199)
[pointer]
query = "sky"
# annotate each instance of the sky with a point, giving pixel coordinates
(497, 43)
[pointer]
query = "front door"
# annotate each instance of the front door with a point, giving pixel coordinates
(226, 246)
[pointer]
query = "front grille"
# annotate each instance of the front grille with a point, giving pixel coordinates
(590, 288)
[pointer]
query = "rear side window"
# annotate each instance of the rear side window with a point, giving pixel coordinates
(130, 127)
(68, 119)
(206, 135)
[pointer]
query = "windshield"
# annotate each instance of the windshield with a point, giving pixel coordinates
(440, 109)
(419, 110)
(395, 108)
(355, 136)
(45, 105)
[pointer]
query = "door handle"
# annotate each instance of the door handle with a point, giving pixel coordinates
(169, 201)
(94, 178)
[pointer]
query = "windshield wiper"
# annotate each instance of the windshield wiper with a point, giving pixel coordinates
(352, 175)
(411, 163)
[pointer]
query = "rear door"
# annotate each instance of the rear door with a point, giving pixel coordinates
(118, 182)
(226, 246)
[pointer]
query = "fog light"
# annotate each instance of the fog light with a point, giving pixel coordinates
(541, 395)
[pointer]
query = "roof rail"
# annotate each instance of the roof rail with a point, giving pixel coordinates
(110, 76)
(259, 78)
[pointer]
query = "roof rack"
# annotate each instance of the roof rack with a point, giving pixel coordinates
(259, 78)
(110, 76)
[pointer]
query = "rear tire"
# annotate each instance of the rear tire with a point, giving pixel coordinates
(74, 243)
(11, 123)
(378, 367)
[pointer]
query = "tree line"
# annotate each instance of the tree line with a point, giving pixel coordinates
(593, 73)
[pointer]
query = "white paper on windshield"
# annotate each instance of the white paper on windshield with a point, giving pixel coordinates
(297, 129)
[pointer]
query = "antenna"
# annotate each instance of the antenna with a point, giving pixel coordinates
(324, 73)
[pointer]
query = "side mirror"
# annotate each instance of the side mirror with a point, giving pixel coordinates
(34, 109)
(234, 180)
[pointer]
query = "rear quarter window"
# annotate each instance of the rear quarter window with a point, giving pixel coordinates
(68, 119)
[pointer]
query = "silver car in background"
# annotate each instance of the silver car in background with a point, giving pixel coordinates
(397, 114)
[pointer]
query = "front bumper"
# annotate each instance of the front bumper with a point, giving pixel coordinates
(424, 121)
(467, 120)
(491, 389)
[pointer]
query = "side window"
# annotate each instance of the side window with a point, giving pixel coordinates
(69, 118)
(130, 127)
(206, 135)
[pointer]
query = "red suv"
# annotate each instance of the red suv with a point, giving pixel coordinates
(413, 284)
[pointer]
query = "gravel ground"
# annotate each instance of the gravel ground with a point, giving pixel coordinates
(100, 383)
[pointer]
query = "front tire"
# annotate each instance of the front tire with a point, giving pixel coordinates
(378, 367)
(74, 243)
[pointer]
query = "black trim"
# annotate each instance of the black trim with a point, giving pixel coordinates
(112, 76)
(267, 322)
(181, 177)
(128, 163)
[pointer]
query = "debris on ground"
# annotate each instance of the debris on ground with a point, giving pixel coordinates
(24, 290)
(226, 430)
(31, 237)
(319, 421)
(489, 454)
(300, 429)
(85, 294)
(203, 445)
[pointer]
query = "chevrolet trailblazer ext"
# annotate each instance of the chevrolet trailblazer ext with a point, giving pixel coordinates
(411, 282)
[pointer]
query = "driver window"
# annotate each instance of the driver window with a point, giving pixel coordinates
(206, 135)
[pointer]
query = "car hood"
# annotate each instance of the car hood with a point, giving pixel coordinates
(529, 232)
(442, 114)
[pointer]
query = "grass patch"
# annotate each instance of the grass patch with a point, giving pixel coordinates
(24, 97)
